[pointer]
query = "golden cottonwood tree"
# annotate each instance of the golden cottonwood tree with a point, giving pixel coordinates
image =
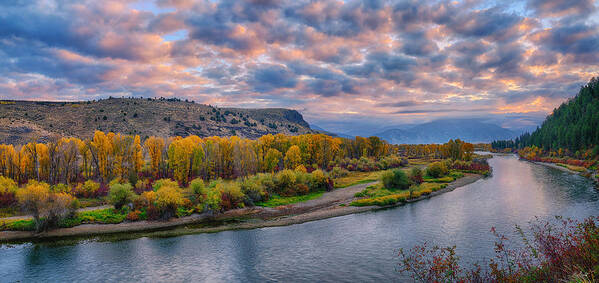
(293, 157)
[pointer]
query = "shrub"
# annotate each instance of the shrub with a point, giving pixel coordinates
(146, 199)
(117, 180)
(198, 187)
(301, 168)
(88, 189)
(338, 172)
(365, 164)
(231, 195)
(395, 180)
(8, 188)
(120, 194)
(302, 189)
(60, 188)
(416, 175)
(213, 199)
(253, 190)
(46, 207)
(436, 169)
(164, 182)
(318, 180)
(392, 161)
(562, 250)
(303, 176)
(141, 186)
(134, 215)
(266, 180)
(285, 182)
(168, 199)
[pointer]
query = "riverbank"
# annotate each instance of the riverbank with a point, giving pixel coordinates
(587, 173)
(331, 204)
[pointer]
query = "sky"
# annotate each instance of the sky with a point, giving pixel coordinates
(345, 65)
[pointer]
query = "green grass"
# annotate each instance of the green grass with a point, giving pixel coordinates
(382, 200)
(276, 200)
(17, 225)
(102, 216)
(378, 195)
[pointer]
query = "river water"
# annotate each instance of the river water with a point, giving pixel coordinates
(359, 247)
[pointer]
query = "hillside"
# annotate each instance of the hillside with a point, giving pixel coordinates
(574, 125)
(25, 121)
(440, 131)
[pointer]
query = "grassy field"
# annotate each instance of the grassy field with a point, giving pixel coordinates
(378, 195)
(356, 177)
(102, 216)
(276, 200)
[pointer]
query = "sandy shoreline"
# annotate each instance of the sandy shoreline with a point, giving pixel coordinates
(331, 204)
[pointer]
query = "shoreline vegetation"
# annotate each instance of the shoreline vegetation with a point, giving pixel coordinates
(568, 138)
(332, 204)
(159, 183)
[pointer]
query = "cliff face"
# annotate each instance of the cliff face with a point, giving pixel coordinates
(25, 121)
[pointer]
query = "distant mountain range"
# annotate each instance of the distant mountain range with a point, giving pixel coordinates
(440, 131)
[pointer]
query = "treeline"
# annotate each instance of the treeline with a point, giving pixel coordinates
(454, 149)
(572, 128)
(108, 156)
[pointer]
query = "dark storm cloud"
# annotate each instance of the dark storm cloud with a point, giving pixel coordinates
(269, 77)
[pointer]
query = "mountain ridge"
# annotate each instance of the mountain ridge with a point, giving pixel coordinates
(26, 121)
(440, 131)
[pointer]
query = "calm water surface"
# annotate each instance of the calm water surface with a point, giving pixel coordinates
(359, 247)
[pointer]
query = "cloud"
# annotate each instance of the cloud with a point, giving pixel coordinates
(560, 8)
(269, 77)
(579, 40)
(390, 61)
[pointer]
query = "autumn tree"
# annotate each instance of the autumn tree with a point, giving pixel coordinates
(293, 157)
(47, 208)
(272, 159)
(168, 199)
(154, 147)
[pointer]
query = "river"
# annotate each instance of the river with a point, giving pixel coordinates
(359, 247)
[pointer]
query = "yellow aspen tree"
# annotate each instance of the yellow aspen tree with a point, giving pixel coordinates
(43, 161)
(272, 159)
(154, 146)
(103, 146)
(138, 158)
(293, 157)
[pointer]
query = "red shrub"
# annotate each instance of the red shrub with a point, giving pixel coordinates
(7, 199)
(556, 252)
(134, 215)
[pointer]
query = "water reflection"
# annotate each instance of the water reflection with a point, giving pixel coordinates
(359, 247)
